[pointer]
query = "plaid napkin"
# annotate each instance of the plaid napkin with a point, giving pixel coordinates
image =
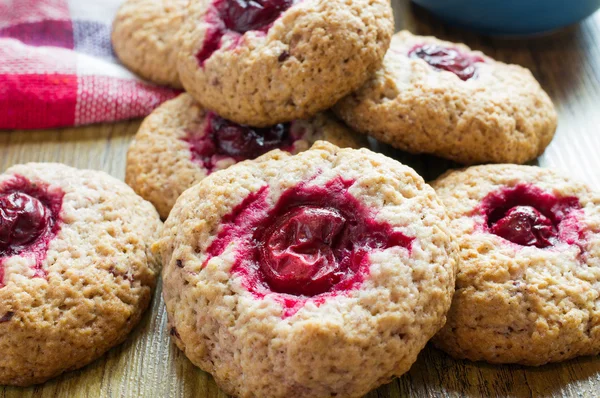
(57, 67)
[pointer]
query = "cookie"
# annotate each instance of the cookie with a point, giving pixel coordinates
(76, 270)
(272, 61)
(528, 284)
(316, 275)
(441, 98)
(181, 143)
(143, 38)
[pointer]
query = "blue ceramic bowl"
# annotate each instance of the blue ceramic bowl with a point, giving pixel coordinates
(511, 17)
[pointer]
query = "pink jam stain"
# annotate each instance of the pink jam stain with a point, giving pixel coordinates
(224, 139)
(236, 17)
(244, 15)
(528, 216)
(29, 220)
(449, 59)
(313, 244)
(212, 42)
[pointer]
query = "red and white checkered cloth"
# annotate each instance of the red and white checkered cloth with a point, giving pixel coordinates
(57, 67)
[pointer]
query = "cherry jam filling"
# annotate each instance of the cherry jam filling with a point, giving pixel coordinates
(297, 251)
(212, 42)
(244, 15)
(528, 216)
(22, 220)
(238, 17)
(313, 243)
(29, 220)
(449, 59)
(225, 139)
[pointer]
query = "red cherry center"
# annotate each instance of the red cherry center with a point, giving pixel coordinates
(29, 220)
(247, 142)
(297, 256)
(314, 241)
(529, 216)
(526, 226)
(223, 138)
(238, 17)
(449, 59)
(317, 240)
(23, 219)
(244, 15)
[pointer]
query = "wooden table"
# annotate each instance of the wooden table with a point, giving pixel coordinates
(568, 66)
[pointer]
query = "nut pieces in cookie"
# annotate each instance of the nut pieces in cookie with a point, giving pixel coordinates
(319, 274)
(76, 272)
(529, 270)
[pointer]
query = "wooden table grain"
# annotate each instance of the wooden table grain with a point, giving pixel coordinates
(566, 63)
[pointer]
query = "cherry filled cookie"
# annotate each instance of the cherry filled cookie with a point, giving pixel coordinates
(143, 38)
(528, 284)
(265, 62)
(180, 143)
(441, 98)
(315, 275)
(76, 271)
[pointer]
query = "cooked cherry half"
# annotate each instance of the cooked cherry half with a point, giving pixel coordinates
(247, 142)
(223, 138)
(22, 220)
(449, 59)
(317, 240)
(238, 16)
(314, 240)
(297, 256)
(29, 220)
(525, 226)
(528, 216)
(244, 15)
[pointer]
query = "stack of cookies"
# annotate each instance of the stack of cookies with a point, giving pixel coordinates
(263, 75)
(297, 262)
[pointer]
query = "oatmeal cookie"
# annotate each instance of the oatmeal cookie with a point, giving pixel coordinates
(528, 284)
(441, 98)
(143, 38)
(76, 269)
(180, 143)
(265, 62)
(314, 275)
